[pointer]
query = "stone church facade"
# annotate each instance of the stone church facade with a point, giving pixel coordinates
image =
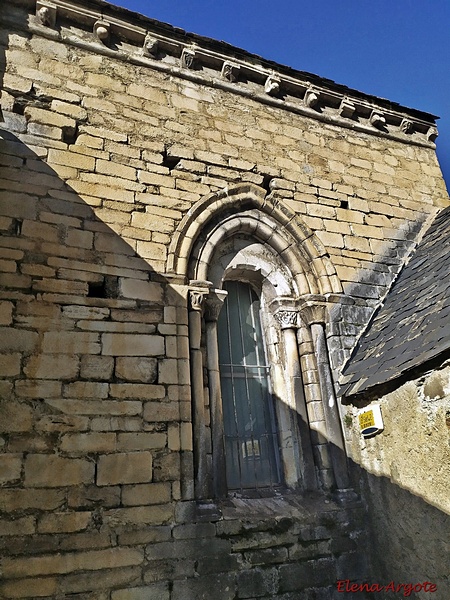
(193, 239)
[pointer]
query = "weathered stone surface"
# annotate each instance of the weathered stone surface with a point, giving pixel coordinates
(137, 369)
(131, 467)
(46, 470)
(112, 180)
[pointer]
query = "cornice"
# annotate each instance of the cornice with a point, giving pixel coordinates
(127, 36)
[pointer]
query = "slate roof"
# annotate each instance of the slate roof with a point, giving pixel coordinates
(413, 325)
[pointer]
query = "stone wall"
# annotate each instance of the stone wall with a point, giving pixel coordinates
(104, 155)
(405, 479)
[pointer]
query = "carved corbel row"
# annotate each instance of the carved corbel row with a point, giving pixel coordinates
(191, 55)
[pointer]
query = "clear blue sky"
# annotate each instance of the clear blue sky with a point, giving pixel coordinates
(395, 49)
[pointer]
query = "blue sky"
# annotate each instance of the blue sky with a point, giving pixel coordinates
(395, 49)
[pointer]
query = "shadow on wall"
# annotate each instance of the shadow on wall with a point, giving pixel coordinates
(408, 539)
(82, 324)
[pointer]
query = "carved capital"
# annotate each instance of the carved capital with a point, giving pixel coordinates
(196, 299)
(230, 71)
(347, 108)
(188, 58)
(272, 85)
(313, 309)
(406, 126)
(287, 318)
(313, 314)
(102, 30)
(46, 13)
(311, 98)
(432, 134)
(213, 305)
(377, 120)
(150, 47)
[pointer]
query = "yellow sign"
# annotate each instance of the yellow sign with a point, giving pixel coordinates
(366, 419)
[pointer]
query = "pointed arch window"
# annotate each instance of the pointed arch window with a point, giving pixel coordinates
(249, 424)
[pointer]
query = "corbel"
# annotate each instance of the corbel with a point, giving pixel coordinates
(188, 58)
(406, 126)
(230, 71)
(272, 85)
(347, 108)
(311, 98)
(150, 46)
(46, 13)
(377, 120)
(102, 30)
(432, 134)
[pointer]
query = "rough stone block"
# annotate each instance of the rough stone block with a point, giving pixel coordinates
(158, 591)
(96, 367)
(70, 342)
(16, 340)
(133, 467)
(122, 344)
(47, 470)
(88, 442)
(10, 365)
(141, 440)
(10, 467)
(52, 366)
(137, 369)
(64, 522)
(146, 494)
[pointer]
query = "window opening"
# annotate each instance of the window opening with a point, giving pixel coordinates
(251, 441)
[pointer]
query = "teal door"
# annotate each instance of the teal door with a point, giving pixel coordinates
(251, 446)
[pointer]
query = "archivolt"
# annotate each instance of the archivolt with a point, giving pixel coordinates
(245, 208)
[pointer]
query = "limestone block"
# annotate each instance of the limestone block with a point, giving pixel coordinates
(71, 159)
(137, 369)
(146, 494)
(64, 522)
(156, 591)
(115, 169)
(71, 342)
(52, 366)
(10, 467)
(140, 441)
(92, 560)
(22, 499)
(88, 442)
(122, 344)
(10, 365)
(14, 416)
(96, 367)
(168, 371)
(95, 407)
(23, 526)
(46, 470)
(6, 313)
(86, 389)
(161, 411)
(130, 467)
(137, 390)
(139, 515)
(141, 290)
(16, 340)
(46, 117)
(38, 388)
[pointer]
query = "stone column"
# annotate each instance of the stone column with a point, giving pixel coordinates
(287, 318)
(314, 316)
(196, 297)
(213, 306)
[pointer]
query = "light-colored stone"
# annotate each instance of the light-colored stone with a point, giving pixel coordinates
(130, 467)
